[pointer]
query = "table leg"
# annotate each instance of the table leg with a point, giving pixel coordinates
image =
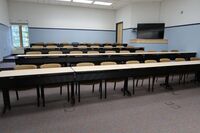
(72, 94)
(6, 99)
(125, 90)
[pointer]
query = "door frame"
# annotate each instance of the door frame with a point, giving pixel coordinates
(117, 30)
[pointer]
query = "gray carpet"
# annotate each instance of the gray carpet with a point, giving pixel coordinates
(159, 112)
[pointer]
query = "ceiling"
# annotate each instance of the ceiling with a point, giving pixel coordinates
(116, 3)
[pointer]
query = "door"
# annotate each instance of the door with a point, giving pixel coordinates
(119, 32)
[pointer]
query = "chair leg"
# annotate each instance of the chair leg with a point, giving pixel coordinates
(60, 90)
(133, 86)
(153, 82)
(100, 89)
(105, 89)
(115, 85)
(17, 94)
(93, 88)
(137, 82)
(180, 78)
(79, 93)
(68, 96)
(142, 82)
(149, 84)
(38, 96)
(43, 96)
(76, 92)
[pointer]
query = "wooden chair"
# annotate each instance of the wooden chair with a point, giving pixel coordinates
(93, 52)
(120, 46)
(51, 46)
(133, 62)
(194, 59)
(174, 50)
(82, 46)
(68, 46)
(139, 51)
(33, 53)
(52, 65)
(76, 52)
(124, 51)
(108, 46)
(55, 52)
(94, 46)
(165, 60)
(151, 51)
(37, 46)
(88, 64)
(112, 81)
(110, 51)
(23, 67)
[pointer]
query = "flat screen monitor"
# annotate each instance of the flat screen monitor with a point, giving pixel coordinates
(150, 30)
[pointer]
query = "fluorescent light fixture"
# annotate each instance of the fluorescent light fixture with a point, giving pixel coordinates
(102, 3)
(64, 0)
(83, 1)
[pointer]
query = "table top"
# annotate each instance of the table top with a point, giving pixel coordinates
(132, 66)
(32, 72)
(104, 54)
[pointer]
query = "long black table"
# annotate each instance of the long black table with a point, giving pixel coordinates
(79, 44)
(135, 71)
(84, 50)
(13, 79)
(120, 58)
(40, 77)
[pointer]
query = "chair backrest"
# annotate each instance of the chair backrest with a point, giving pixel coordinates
(194, 58)
(165, 60)
(21, 67)
(85, 64)
(110, 51)
(94, 46)
(76, 52)
(33, 52)
(55, 52)
(37, 46)
(53, 65)
(180, 59)
(174, 50)
(120, 46)
(124, 51)
(82, 46)
(151, 51)
(164, 50)
(139, 51)
(132, 62)
(130, 46)
(93, 52)
(150, 61)
(108, 63)
(108, 46)
(51, 46)
(68, 46)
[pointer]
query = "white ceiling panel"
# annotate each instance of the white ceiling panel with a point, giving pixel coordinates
(116, 4)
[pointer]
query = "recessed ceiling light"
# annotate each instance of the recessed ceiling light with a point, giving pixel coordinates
(64, 0)
(102, 3)
(83, 1)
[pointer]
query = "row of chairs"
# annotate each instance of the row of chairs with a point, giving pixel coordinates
(20, 67)
(92, 52)
(79, 46)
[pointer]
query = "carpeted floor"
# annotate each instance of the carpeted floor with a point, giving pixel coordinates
(160, 112)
